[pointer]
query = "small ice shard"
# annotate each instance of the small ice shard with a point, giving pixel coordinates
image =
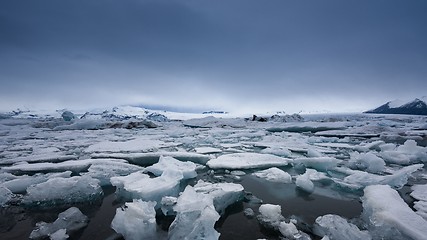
(137, 220)
(196, 217)
(68, 116)
(338, 228)
(167, 205)
(270, 215)
(188, 169)
(140, 186)
(247, 161)
(63, 191)
(367, 161)
(318, 163)
(69, 221)
(398, 179)
(5, 196)
(419, 192)
(207, 150)
(274, 175)
(389, 217)
(303, 182)
(222, 194)
(248, 212)
(290, 231)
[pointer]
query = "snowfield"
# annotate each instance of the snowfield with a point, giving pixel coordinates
(135, 174)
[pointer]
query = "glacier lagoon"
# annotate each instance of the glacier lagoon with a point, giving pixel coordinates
(213, 177)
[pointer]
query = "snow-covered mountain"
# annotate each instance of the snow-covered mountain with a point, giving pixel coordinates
(418, 106)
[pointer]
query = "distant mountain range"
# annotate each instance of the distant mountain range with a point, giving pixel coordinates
(418, 106)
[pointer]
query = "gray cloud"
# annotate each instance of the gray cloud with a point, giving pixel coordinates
(236, 55)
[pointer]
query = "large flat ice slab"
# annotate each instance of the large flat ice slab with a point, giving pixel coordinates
(247, 161)
(145, 159)
(188, 169)
(134, 145)
(384, 210)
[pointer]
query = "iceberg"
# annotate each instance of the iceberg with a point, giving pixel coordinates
(188, 169)
(222, 194)
(247, 161)
(336, 227)
(140, 186)
(274, 175)
(69, 221)
(137, 220)
(196, 217)
(389, 217)
(77, 189)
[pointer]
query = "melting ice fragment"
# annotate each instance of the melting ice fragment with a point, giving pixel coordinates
(338, 228)
(140, 186)
(319, 163)
(274, 175)
(367, 161)
(137, 220)
(67, 222)
(419, 192)
(188, 169)
(270, 215)
(389, 217)
(222, 194)
(196, 217)
(247, 161)
(303, 182)
(63, 191)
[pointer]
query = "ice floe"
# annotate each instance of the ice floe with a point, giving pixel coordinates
(247, 161)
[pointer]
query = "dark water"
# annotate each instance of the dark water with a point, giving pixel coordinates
(17, 223)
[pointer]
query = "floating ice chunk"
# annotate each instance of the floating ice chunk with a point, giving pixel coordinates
(398, 179)
(20, 184)
(319, 163)
(105, 170)
(414, 152)
(419, 192)
(270, 215)
(304, 183)
(76, 166)
(145, 159)
(237, 173)
(248, 212)
(196, 217)
(247, 161)
(5, 196)
(336, 227)
(137, 220)
(314, 175)
(167, 205)
(388, 216)
(375, 145)
(140, 186)
(290, 231)
(367, 161)
(43, 157)
(209, 122)
(63, 191)
(68, 116)
(188, 169)
(311, 152)
(61, 234)
(207, 150)
(395, 157)
(274, 175)
(222, 194)
(69, 221)
(83, 124)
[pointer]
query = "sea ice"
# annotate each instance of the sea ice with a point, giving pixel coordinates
(134, 145)
(247, 161)
(145, 159)
(222, 194)
(319, 163)
(338, 228)
(304, 183)
(105, 170)
(5, 196)
(388, 216)
(207, 150)
(419, 192)
(367, 161)
(360, 179)
(69, 221)
(274, 175)
(58, 190)
(270, 215)
(137, 220)
(140, 186)
(21, 183)
(188, 169)
(196, 217)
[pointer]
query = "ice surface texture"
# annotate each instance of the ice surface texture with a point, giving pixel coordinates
(247, 161)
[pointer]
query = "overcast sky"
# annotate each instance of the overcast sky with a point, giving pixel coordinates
(233, 55)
